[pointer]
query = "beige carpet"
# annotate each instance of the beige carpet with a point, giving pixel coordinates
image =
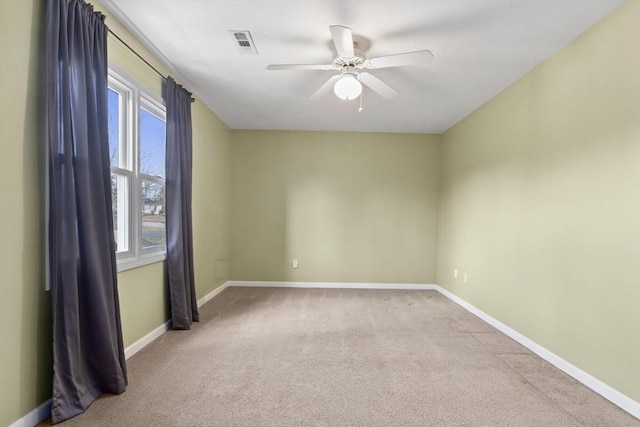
(336, 357)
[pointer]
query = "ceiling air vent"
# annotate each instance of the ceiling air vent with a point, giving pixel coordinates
(244, 42)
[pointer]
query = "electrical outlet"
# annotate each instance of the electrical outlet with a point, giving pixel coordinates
(455, 273)
(294, 264)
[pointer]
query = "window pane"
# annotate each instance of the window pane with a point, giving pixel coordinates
(114, 127)
(120, 208)
(153, 229)
(152, 144)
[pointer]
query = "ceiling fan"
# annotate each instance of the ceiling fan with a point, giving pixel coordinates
(352, 65)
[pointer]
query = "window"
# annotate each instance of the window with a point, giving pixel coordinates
(137, 124)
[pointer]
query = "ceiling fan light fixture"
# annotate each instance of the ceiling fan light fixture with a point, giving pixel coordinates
(351, 63)
(348, 87)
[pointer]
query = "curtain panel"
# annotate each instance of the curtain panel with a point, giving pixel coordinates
(88, 351)
(182, 292)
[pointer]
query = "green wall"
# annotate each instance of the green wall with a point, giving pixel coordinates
(351, 207)
(25, 307)
(540, 204)
(25, 314)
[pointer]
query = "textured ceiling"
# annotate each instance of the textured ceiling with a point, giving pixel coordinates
(480, 47)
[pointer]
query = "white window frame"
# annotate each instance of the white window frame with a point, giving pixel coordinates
(134, 96)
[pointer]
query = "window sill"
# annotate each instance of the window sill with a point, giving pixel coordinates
(131, 263)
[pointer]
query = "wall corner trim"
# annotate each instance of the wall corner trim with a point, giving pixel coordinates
(614, 396)
(34, 417)
(205, 299)
(146, 340)
(332, 285)
(154, 334)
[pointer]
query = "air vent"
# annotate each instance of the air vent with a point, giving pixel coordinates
(244, 42)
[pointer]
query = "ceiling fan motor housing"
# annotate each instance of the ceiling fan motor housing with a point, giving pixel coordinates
(357, 61)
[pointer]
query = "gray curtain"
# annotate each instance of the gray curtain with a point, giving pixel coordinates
(88, 351)
(182, 292)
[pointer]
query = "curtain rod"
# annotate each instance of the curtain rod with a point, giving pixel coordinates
(140, 56)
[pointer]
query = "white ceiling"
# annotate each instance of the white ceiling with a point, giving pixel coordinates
(480, 47)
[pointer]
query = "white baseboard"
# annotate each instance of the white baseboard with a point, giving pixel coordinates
(43, 411)
(151, 336)
(205, 299)
(604, 390)
(146, 340)
(34, 417)
(338, 285)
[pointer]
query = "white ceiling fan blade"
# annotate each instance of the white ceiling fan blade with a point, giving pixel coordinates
(343, 39)
(401, 59)
(377, 85)
(325, 88)
(299, 67)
